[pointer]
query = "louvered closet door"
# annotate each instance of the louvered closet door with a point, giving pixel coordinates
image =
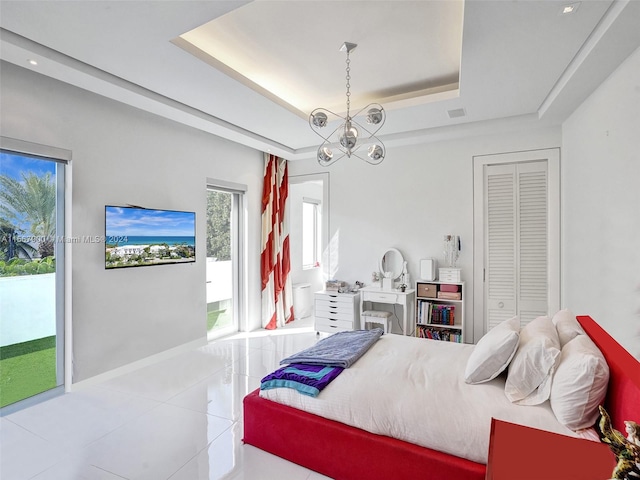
(516, 242)
(533, 241)
(500, 243)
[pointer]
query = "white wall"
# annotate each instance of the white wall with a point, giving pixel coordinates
(22, 318)
(410, 201)
(601, 198)
(125, 156)
(298, 191)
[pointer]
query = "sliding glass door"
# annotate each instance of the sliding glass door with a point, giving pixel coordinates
(224, 259)
(31, 276)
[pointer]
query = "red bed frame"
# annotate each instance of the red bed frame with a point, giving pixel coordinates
(343, 452)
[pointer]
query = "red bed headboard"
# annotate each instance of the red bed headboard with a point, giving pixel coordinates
(623, 394)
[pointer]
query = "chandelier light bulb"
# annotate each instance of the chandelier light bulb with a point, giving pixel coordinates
(325, 154)
(375, 152)
(319, 119)
(349, 136)
(374, 116)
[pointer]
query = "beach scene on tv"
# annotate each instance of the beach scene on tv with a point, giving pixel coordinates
(137, 237)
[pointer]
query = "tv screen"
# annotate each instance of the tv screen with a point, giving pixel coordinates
(136, 237)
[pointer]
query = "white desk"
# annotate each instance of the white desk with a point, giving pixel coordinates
(406, 299)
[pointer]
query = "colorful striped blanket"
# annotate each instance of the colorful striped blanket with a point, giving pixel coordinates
(306, 379)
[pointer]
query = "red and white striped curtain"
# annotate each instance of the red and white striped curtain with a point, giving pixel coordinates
(275, 264)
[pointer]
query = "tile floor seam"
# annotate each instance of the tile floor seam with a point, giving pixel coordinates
(29, 431)
(192, 410)
(166, 401)
(109, 472)
(233, 423)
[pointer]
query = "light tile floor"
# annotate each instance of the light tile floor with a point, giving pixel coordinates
(180, 419)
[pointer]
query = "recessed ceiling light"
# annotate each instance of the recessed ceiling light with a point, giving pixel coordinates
(33, 62)
(571, 8)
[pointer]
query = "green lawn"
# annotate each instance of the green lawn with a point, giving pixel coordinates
(27, 369)
(218, 318)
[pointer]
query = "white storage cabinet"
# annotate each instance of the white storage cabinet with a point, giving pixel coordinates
(337, 312)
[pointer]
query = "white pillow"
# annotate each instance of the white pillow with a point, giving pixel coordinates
(493, 352)
(567, 326)
(579, 384)
(530, 371)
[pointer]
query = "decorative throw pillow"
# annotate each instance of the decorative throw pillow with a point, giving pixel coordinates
(530, 371)
(493, 352)
(567, 326)
(579, 384)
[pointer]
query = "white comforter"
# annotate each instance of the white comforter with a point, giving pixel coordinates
(414, 390)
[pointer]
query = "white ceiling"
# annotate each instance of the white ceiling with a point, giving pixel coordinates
(506, 63)
(297, 70)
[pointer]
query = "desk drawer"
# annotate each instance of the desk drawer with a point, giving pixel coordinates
(330, 329)
(333, 314)
(324, 306)
(381, 297)
(333, 323)
(335, 298)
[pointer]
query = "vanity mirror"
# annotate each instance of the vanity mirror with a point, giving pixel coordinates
(392, 261)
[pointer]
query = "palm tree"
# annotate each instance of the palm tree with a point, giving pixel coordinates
(219, 225)
(33, 201)
(10, 245)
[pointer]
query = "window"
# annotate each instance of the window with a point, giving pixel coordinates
(311, 232)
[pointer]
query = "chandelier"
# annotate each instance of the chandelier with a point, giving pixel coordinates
(355, 134)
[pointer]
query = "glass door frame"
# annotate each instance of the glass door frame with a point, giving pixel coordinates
(64, 354)
(238, 251)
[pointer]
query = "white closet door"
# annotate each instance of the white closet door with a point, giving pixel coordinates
(516, 242)
(500, 244)
(533, 241)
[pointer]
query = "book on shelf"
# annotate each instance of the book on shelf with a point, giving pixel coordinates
(444, 335)
(424, 312)
(443, 314)
(435, 314)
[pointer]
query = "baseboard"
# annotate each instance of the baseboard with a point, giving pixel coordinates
(133, 366)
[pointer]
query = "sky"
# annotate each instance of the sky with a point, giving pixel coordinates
(127, 221)
(14, 165)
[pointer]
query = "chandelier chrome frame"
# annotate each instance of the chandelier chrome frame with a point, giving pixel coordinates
(351, 137)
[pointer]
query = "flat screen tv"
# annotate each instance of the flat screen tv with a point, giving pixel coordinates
(136, 237)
